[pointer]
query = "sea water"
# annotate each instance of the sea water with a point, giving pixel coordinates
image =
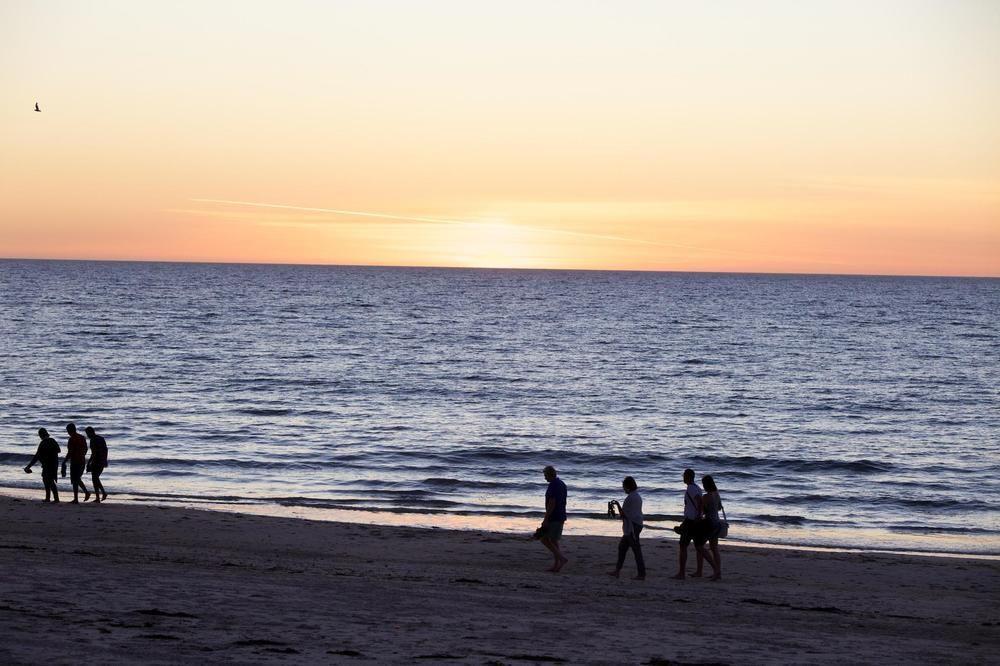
(839, 411)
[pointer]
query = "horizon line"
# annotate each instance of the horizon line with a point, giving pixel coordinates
(506, 268)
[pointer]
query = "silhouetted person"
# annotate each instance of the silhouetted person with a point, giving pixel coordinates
(98, 461)
(551, 528)
(48, 455)
(36, 108)
(693, 528)
(631, 515)
(712, 503)
(76, 454)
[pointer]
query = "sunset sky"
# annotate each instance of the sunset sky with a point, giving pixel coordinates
(825, 137)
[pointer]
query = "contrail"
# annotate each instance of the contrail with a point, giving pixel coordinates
(439, 220)
(386, 216)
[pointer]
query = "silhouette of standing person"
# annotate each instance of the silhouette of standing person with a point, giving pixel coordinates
(98, 461)
(551, 528)
(631, 514)
(76, 454)
(48, 455)
(693, 528)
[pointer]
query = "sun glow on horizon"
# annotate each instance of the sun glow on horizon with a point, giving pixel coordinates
(772, 137)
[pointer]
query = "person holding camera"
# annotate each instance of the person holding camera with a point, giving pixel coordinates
(631, 515)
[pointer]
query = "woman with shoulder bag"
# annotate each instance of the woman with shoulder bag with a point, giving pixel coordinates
(716, 526)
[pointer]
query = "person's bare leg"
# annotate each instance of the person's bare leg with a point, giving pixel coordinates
(98, 487)
(703, 556)
(55, 491)
(682, 555)
(716, 562)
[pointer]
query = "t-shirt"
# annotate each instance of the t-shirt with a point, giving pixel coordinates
(76, 448)
(632, 512)
(99, 449)
(690, 508)
(48, 455)
(556, 492)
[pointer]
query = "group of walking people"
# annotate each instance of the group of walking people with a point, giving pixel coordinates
(76, 455)
(701, 525)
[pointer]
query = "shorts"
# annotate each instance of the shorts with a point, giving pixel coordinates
(76, 470)
(552, 531)
(50, 473)
(694, 530)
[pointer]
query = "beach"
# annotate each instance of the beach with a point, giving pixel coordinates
(127, 583)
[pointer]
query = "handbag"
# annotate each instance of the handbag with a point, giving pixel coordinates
(723, 524)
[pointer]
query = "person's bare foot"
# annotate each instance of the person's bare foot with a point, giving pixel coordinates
(46, 500)
(696, 574)
(76, 501)
(679, 576)
(562, 562)
(104, 496)
(638, 578)
(716, 577)
(86, 497)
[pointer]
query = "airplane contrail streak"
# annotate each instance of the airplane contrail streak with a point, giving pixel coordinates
(386, 216)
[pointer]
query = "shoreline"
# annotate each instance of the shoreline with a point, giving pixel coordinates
(166, 584)
(493, 524)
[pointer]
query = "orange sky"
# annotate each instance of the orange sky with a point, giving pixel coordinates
(834, 137)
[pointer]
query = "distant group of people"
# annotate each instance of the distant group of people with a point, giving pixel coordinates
(701, 524)
(76, 455)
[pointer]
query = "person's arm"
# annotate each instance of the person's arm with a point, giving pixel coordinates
(550, 506)
(34, 459)
(699, 504)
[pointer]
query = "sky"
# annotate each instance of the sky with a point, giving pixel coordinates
(816, 137)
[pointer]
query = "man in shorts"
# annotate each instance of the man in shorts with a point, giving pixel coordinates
(48, 455)
(98, 461)
(76, 455)
(693, 528)
(551, 528)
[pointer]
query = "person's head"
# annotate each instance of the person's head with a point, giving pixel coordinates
(71, 428)
(549, 472)
(43, 433)
(90, 431)
(629, 484)
(709, 483)
(689, 476)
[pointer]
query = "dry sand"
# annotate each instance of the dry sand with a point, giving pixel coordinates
(124, 583)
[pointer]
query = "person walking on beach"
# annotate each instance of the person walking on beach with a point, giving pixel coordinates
(692, 528)
(551, 528)
(98, 461)
(76, 454)
(712, 502)
(48, 455)
(631, 514)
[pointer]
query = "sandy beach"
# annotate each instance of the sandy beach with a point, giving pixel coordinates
(123, 583)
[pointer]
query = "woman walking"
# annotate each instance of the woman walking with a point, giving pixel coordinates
(631, 514)
(712, 503)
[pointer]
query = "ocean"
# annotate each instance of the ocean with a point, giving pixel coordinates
(850, 412)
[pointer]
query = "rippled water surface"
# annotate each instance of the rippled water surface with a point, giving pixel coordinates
(835, 410)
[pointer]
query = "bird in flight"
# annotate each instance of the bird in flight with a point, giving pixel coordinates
(36, 108)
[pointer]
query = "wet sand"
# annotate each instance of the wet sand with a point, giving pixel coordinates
(121, 583)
